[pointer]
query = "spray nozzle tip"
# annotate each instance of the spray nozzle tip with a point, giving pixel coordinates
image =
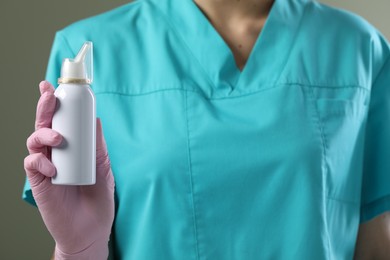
(80, 68)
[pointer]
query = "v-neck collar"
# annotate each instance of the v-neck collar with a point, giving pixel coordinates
(268, 55)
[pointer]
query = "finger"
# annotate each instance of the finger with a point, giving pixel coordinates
(101, 145)
(37, 168)
(41, 138)
(46, 86)
(45, 109)
(102, 159)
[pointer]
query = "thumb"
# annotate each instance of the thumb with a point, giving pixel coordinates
(102, 159)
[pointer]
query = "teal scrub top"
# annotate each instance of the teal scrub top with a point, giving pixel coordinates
(282, 160)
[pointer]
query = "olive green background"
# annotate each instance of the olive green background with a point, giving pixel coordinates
(27, 31)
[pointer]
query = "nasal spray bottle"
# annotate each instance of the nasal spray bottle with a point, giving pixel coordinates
(75, 119)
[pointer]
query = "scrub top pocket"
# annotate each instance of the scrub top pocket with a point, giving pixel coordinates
(328, 107)
(342, 112)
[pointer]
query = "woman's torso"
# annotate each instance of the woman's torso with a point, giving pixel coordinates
(214, 163)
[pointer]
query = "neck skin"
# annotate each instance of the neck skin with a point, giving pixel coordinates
(239, 23)
(233, 13)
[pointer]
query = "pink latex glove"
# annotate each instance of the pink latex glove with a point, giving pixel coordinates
(79, 218)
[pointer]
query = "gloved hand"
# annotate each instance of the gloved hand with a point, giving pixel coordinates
(79, 218)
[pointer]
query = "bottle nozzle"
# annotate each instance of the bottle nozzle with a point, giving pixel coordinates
(79, 69)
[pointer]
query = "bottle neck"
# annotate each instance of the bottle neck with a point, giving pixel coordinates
(73, 81)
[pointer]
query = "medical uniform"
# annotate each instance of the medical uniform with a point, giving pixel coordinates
(282, 160)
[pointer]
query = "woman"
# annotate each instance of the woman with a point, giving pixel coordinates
(234, 130)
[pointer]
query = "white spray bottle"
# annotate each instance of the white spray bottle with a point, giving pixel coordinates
(75, 120)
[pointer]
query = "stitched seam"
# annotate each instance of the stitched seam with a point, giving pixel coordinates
(368, 205)
(319, 124)
(61, 34)
(317, 85)
(140, 94)
(273, 85)
(191, 182)
(172, 27)
(366, 211)
(294, 38)
(381, 70)
(343, 201)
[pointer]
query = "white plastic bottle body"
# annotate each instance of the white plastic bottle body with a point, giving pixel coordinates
(75, 119)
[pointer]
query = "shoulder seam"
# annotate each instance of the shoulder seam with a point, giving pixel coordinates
(387, 60)
(61, 34)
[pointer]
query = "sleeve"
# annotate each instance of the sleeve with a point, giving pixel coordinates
(375, 198)
(60, 49)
